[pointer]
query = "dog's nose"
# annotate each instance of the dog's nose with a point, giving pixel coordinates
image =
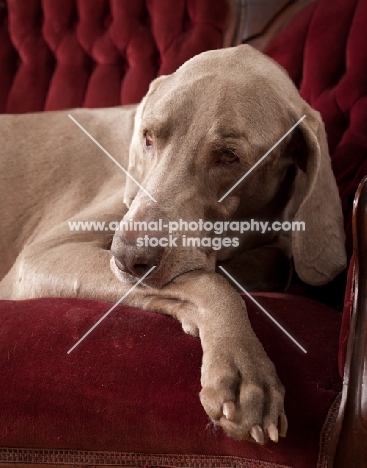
(133, 259)
(136, 265)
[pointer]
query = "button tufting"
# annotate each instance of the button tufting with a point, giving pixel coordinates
(101, 53)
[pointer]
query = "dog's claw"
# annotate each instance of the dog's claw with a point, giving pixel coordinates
(229, 410)
(242, 402)
(283, 425)
(257, 434)
(273, 432)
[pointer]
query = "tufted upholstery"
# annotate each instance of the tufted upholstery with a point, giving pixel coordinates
(63, 53)
(324, 50)
(82, 53)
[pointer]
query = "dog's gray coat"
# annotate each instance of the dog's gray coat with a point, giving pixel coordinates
(192, 137)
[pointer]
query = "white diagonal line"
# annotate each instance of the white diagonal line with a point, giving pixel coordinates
(112, 158)
(263, 310)
(110, 310)
(261, 159)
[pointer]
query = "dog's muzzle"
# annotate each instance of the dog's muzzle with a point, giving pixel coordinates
(133, 260)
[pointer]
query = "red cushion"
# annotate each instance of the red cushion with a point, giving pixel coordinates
(100, 53)
(132, 386)
(324, 50)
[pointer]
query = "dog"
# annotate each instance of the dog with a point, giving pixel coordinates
(185, 147)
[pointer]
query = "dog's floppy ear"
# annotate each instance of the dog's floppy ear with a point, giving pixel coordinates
(319, 252)
(136, 167)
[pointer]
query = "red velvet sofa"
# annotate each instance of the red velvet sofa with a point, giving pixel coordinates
(128, 396)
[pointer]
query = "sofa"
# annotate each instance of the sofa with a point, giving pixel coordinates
(128, 396)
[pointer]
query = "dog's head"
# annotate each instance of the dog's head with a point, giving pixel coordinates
(197, 133)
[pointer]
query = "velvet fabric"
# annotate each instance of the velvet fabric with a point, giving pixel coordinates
(128, 395)
(132, 385)
(324, 51)
(58, 54)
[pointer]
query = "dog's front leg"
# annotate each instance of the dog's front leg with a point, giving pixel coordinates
(240, 387)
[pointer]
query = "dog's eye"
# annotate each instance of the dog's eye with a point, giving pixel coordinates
(148, 139)
(228, 157)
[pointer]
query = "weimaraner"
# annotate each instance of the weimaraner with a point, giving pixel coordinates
(194, 135)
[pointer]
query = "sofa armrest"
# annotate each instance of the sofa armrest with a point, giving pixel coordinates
(349, 444)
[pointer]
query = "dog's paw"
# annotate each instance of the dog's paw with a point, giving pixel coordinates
(243, 394)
